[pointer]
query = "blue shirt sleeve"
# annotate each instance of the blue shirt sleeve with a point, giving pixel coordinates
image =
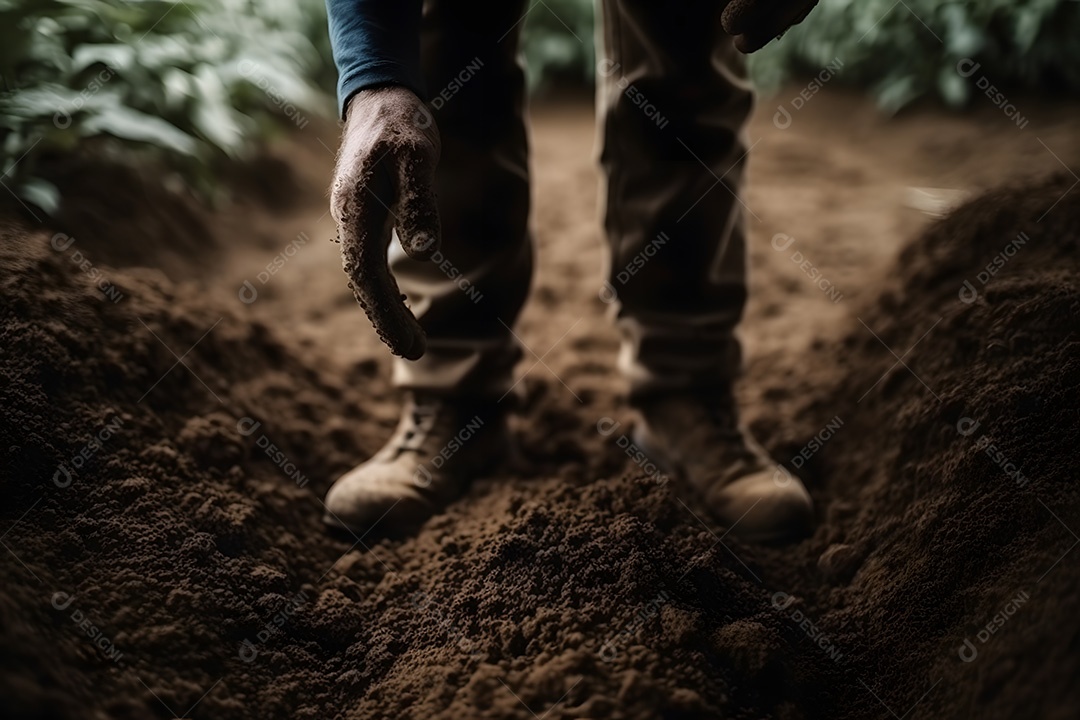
(375, 42)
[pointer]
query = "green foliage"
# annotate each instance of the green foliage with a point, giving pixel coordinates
(190, 82)
(899, 51)
(557, 40)
(903, 51)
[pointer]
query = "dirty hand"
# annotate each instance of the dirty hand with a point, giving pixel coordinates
(385, 179)
(755, 23)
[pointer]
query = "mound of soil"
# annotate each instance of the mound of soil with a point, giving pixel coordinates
(146, 216)
(164, 463)
(949, 492)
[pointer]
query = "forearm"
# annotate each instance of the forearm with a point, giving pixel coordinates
(375, 42)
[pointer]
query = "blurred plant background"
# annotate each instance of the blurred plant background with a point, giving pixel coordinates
(193, 84)
(902, 51)
(557, 42)
(897, 51)
(187, 83)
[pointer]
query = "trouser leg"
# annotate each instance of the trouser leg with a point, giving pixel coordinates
(673, 99)
(469, 296)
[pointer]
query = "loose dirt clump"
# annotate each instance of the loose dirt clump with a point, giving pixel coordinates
(198, 446)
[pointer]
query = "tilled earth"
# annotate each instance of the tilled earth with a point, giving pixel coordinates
(164, 457)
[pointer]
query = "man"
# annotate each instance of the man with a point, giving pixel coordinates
(454, 179)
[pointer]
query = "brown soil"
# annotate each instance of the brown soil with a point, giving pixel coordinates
(580, 588)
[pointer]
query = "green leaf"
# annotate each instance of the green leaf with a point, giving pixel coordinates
(119, 58)
(39, 193)
(896, 92)
(954, 89)
(130, 124)
(214, 114)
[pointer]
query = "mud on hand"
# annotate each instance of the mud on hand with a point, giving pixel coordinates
(384, 180)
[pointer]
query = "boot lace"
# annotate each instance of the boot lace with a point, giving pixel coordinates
(423, 415)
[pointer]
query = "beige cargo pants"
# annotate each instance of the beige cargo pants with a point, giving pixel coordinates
(672, 102)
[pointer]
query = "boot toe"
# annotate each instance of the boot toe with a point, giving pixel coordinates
(366, 497)
(769, 506)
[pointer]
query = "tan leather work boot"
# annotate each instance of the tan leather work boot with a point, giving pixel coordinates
(697, 438)
(439, 446)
